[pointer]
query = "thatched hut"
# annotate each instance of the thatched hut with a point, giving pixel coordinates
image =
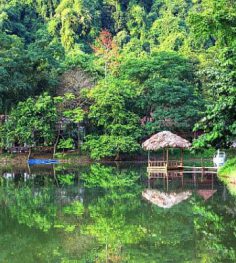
(165, 140)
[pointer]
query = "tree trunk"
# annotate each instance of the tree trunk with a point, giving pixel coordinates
(117, 157)
(56, 142)
(29, 153)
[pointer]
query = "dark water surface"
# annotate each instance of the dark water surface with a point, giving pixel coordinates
(96, 213)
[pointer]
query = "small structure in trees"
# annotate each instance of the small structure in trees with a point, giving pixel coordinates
(165, 140)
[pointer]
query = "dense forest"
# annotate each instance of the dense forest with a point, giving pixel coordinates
(142, 66)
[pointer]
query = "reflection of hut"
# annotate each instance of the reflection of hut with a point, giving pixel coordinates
(165, 140)
(165, 200)
(206, 194)
(166, 176)
(233, 144)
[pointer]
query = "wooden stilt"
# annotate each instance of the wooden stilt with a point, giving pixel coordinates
(167, 156)
(148, 158)
(167, 183)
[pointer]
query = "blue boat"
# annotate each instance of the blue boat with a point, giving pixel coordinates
(42, 161)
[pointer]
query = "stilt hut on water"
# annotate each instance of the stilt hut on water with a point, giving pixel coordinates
(165, 140)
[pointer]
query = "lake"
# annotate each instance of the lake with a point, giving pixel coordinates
(96, 213)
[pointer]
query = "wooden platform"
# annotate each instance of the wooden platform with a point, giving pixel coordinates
(164, 165)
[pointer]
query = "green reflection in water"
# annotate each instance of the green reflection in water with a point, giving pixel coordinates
(97, 214)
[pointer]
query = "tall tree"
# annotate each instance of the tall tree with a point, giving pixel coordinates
(77, 20)
(107, 50)
(117, 127)
(169, 93)
(213, 25)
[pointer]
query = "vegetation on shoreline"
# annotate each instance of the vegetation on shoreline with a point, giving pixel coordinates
(228, 175)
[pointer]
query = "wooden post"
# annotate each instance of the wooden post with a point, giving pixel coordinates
(29, 154)
(182, 153)
(148, 157)
(149, 184)
(167, 156)
(167, 181)
(212, 181)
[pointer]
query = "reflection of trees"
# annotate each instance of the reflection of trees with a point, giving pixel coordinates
(21, 244)
(44, 210)
(112, 223)
(109, 218)
(169, 235)
(212, 231)
(37, 207)
(108, 177)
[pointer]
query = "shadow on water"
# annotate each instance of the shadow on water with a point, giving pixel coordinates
(96, 213)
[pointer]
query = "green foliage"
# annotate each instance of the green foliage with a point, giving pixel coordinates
(31, 121)
(35, 121)
(25, 72)
(169, 95)
(107, 177)
(109, 146)
(227, 174)
(75, 208)
(207, 219)
(219, 123)
(213, 29)
(212, 22)
(76, 115)
(111, 111)
(66, 144)
(111, 223)
(31, 210)
(228, 168)
(166, 65)
(66, 179)
(76, 20)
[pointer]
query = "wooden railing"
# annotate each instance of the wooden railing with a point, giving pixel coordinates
(170, 163)
(157, 163)
(175, 163)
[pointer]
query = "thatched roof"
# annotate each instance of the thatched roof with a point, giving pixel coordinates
(165, 139)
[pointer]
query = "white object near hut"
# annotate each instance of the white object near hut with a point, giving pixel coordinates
(219, 158)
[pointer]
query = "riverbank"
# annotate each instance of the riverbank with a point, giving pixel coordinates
(203, 157)
(228, 175)
(22, 158)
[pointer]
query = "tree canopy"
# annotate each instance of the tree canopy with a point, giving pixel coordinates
(156, 65)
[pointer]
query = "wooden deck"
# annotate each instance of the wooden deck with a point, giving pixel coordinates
(164, 165)
(161, 169)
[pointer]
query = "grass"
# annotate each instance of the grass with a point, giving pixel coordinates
(228, 175)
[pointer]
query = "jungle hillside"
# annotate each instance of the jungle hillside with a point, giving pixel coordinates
(104, 75)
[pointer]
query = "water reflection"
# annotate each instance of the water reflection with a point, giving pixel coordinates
(181, 184)
(97, 214)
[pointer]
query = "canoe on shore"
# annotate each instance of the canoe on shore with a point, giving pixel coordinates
(42, 161)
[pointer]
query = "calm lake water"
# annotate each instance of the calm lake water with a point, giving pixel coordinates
(96, 213)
